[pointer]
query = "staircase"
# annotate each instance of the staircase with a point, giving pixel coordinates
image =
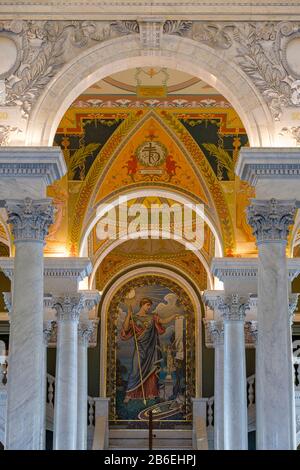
(134, 439)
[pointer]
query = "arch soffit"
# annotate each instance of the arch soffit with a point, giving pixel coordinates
(176, 52)
(105, 251)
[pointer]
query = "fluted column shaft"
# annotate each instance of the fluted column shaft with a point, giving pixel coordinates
(47, 328)
(235, 392)
(275, 399)
(65, 406)
(30, 220)
(217, 333)
(84, 333)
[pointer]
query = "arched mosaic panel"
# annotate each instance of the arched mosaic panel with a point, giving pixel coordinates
(150, 353)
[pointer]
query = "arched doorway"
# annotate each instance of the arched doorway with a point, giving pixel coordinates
(141, 372)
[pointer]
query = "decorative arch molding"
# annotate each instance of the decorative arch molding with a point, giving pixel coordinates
(175, 52)
(169, 274)
(101, 255)
(141, 193)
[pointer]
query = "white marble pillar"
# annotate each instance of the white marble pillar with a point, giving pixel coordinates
(275, 397)
(65, 406)
(233, 310)
(216, 329)
(85, 331)
(47, 330)
(30, 220)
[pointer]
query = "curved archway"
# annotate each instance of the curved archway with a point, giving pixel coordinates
(142, 193)
(175, 52)
(168, 273)
(119, 241)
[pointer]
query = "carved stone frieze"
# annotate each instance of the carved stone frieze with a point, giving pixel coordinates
(6, 133)
(293, 132)
(265, 51)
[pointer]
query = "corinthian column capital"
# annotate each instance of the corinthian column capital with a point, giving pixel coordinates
(85, 331)
(216, 331)
(30, 219)
(68, 307)
(271, 219)
(233, 307)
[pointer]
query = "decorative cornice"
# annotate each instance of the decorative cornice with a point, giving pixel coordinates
(76, 268)
(256, 164)
(68, 307)
(68, 267)
(233, 307)
(271, 219)
(92, 9)
(30, 219)
(232, 268)
(46, 163)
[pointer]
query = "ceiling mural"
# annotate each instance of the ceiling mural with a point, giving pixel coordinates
(150, 127)
(154, 252)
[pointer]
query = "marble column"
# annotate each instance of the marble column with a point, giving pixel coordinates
(85, 331)
(30, 220)
(216, 329)
(47, 330)
(233, 310)
(275, 397)
(68, 309)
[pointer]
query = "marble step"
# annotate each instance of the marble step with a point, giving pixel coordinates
(170, 439)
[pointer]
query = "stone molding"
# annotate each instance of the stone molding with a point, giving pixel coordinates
(30, 219)
(267, 163)
(234, 268)
(45, 163)
(233, 307)
(93, 9)
(69, 267)
(271, 219)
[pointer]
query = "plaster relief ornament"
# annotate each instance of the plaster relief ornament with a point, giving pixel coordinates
(295, 98)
